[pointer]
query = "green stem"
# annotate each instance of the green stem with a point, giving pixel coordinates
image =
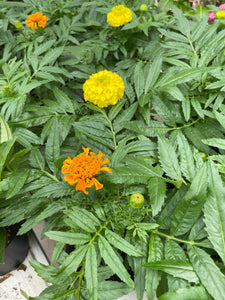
(177, 128)
(98, 232)
(170, 237)
(79, 284)
(113, 132)
(50, 175)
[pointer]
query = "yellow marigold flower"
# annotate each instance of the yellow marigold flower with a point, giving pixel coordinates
(82, 169)
(103, 88)
(36, 20)
(120, 15)
(220, 14)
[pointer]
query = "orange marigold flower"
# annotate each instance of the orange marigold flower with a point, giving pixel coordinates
(36, 20)
(82, 168)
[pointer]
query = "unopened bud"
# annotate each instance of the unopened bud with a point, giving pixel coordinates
(203, 156)
(17, 24)
(136, 200)
(143, 7)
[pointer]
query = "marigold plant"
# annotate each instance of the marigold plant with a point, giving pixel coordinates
(82, 169)
(103, 88)
(36, 20)
(120, 15)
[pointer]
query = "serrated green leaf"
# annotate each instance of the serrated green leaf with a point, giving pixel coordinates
(48, 211)
(51, 56)
(197, 107)
(40, 49)
(187, 293)
(71, 263)
(157, 193)
(153, 277)
(153, 73)
(45, 272)
(186, 158)
(118, 155)
(36, 159)
(215, 142)
(120, 243)
(182, 77)
(208, 272)
(113, 261)
(173, 251)
(168, 159)
(220, 118)
(186, 108)
(63, 100)
(17, 181)
(175, 92)
(150, 130)
(91, 273)
(141, 145)
(83, 218)
(166, 215)
(125, 116)
(27, 137)
(52, 147)
(116, 109)
(139, 78)
(70, 238)
(4, 151)
(5, 130)
(183, 23)
(111, 290)
(128, 175)
(214, 211)
(56, 252)
(53, 189)
(178, 268)
(163, 111)
(190, 206)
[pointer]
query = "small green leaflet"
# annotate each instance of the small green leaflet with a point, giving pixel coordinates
(177, 268)
(168, 158)
(214, 211)
(187, 293)
(208, 272)
(113, 261)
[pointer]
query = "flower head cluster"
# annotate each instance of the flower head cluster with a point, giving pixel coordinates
(220, 14)
(222, 7)
(36, 20)
(103, 88)
(120, 15)
(82, 168)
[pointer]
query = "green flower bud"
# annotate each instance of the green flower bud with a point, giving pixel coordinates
(203, 156)
(143, 7)
(17, 24)
(136, 200)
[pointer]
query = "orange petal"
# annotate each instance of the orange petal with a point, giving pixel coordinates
(81, 186)
(97, 184)
(71, 179)
(106, 169)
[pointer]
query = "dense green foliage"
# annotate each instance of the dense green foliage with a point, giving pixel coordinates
(164, 139)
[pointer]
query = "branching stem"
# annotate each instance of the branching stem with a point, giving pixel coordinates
(170, 237)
